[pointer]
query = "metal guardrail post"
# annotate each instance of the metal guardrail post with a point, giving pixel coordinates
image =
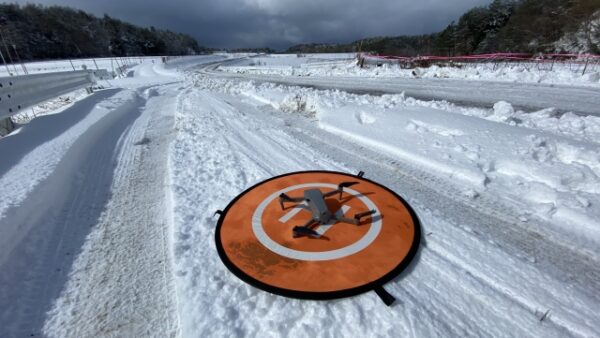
(6, 126)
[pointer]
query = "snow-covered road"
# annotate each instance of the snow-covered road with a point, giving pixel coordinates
(84, 229)
(107, 227)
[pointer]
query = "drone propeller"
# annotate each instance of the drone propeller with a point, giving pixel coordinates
(299, 231)
(305, 230)
(346, 184)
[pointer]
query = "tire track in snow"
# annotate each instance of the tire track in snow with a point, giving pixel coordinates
(122, 282)
(57, 215)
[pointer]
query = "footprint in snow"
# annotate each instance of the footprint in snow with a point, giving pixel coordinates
(365, 118)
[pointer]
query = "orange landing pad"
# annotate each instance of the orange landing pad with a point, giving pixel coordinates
(255, 241)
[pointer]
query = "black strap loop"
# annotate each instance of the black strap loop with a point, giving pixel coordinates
(387, 298)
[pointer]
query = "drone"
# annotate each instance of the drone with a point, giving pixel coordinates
(314, 201)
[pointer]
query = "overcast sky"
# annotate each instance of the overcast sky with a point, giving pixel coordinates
(280, 23)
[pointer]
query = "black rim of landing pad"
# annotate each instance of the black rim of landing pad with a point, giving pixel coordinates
(372, 286)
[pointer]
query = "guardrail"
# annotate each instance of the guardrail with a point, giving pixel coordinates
(20, 92)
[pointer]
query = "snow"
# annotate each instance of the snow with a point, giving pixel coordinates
(107, 207)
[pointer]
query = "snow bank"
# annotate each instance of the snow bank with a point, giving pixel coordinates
(510, 72)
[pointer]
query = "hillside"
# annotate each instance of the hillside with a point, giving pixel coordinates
(58, 32)
(504, 25)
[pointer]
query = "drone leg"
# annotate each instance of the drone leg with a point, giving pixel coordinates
(285, 198)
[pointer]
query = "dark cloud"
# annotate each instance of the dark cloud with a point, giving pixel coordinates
(281, 23)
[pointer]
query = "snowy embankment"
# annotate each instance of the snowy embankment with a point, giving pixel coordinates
(304, 66)
(546, 164)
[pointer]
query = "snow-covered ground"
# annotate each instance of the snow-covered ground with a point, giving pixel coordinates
(107, 227)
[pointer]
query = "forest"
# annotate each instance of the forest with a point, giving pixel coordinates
(34, 32)
(528, 26)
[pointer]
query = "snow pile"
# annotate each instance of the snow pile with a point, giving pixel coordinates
(548, 164)
(585, 128)
(53, 106)
(504, 112)
(509, 72)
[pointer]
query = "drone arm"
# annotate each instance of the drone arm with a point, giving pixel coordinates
(347, 220)
(332, 192)
(309, 223)
(340, 189)
(357, 217)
